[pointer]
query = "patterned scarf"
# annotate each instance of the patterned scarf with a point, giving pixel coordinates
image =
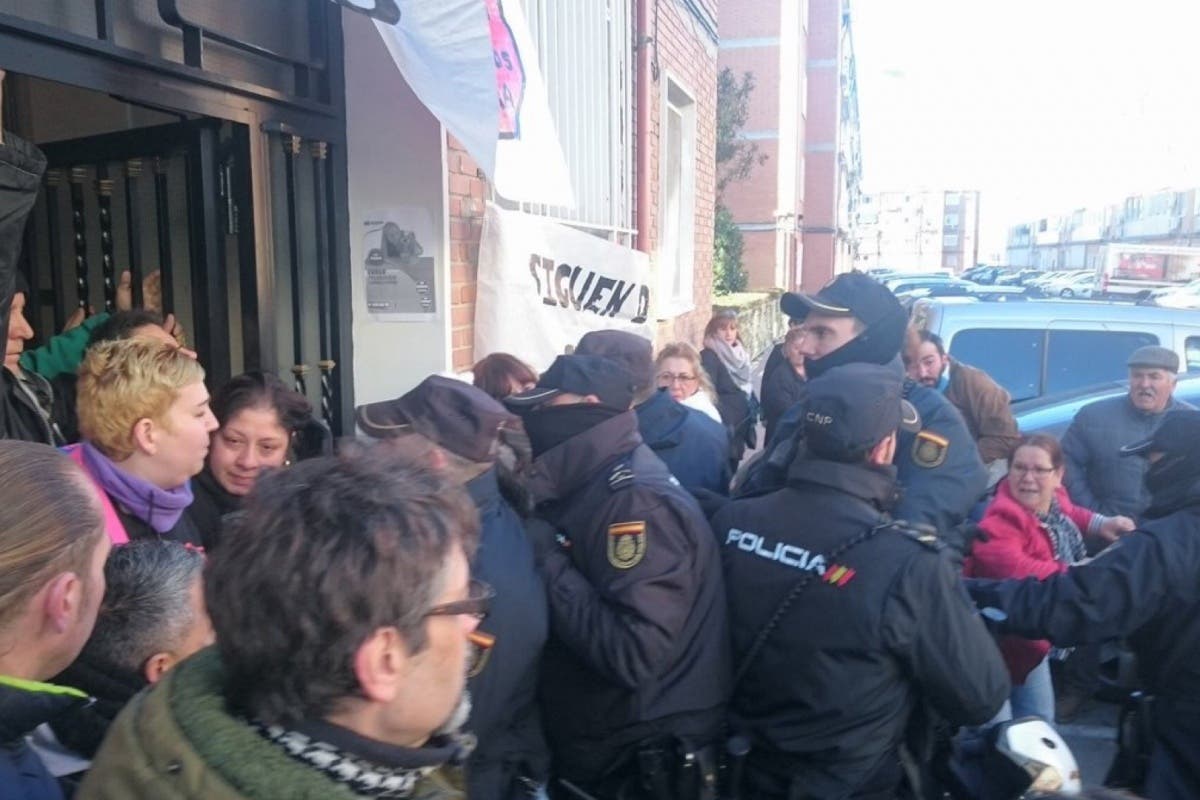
(362, 777)
(1065, 537)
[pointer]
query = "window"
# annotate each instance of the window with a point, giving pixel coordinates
(951, 221)
(951, 261)
(950, 241)
(1012, 357)
(1191, 352)
(677, 201)
(1084, 358)
(585, 50)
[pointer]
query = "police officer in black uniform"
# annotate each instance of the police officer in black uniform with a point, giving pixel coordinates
(1145, 587)
(636, 672)
(466, 426)
(856, 319)
(843, 620)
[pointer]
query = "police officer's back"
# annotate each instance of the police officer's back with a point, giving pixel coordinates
(852, 320)
(637, 666)
(464, 425)
(842, 620)
(1144, 587)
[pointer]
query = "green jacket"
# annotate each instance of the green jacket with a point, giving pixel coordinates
(177, 741)
(64, 352)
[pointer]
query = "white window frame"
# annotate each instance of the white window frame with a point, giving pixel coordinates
(585, 51)
(675, 257)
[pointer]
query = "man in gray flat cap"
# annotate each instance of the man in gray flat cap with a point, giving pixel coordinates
(1097, 477)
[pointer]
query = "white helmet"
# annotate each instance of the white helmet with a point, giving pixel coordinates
(1032, 745)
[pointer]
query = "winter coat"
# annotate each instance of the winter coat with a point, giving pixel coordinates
(984, 405)
(179, 741)
(210, 505)
(733, 403)
(694, 447)
(782, 388)
(1018, 546)
(24, 705)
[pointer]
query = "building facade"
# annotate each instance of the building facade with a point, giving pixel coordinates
(918, 231)
(804, 120)
(1168, 218)
(251, 151)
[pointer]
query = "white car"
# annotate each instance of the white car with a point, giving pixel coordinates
(1186, 296)
(1080, 285)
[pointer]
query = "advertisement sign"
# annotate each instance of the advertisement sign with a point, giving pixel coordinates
(542, 285)
(1141, 266)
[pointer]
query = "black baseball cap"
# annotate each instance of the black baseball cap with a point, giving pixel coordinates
(1178, 434)
(851, 408)
(633, 352)
(579, 374)
(449, 412)
(851, 294)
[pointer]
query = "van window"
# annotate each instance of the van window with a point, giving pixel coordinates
(1191, 351)
(1012, 357)
(1085, 358)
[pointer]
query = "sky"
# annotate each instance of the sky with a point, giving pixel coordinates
(1044, 106)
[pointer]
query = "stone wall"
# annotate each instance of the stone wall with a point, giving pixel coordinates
(760, 321)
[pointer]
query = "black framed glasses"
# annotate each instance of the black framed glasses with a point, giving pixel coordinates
(475, 604)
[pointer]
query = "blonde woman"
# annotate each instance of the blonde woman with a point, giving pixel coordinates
(145, 424)
(52, 553)
(679, 371)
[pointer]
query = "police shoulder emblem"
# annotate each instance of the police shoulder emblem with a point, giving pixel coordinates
(929, 449)
(626, 544)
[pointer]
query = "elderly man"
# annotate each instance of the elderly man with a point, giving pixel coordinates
(982, 402)
(1097, 477)
(460, 429)
(342, 605)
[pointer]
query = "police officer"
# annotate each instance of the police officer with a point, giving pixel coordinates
(1144, 587)
(694, 446)
(460, 427)
(636, 672)
(842, 619)
(856, 319)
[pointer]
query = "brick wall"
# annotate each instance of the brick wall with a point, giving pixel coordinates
(690, 56)
(467, 190)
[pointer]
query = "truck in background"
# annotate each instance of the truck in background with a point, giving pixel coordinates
(1133, 271)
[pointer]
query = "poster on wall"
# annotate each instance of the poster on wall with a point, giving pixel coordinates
(542, 285)
(401, 277)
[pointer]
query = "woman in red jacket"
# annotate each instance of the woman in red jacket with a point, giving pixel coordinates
(1034, 530)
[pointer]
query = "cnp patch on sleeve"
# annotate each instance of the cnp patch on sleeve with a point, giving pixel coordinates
(929, 449)
(626, 544)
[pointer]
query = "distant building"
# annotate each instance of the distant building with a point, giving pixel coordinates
(1076, 240)
(796, 210)
(918, 230)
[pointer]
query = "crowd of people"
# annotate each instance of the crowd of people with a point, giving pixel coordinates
(591, 582)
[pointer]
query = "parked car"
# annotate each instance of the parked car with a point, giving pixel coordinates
(1075, 285)
(1040, 347)
(1052, 414)
(1186, 296)
(1017, 278)
(900, 284)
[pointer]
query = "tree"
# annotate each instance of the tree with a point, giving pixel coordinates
(736, 159)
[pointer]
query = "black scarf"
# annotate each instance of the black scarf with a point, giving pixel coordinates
(550, 426)
(112, 687)
(366, 767)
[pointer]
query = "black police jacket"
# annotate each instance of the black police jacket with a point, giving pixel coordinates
(503, 686)
(940, 473)
(1144, 587)
(880, 626)
(639, 645)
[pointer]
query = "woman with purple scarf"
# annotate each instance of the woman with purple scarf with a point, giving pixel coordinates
(145, 424)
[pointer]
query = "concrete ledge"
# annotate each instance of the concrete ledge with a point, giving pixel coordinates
(760, 321)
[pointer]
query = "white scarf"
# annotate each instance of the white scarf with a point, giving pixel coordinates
(734, 357)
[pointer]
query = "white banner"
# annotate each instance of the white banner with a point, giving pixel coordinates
(542, 285)
(473, 64)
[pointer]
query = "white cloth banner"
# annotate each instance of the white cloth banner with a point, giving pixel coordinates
(542, 285)
(474, 66)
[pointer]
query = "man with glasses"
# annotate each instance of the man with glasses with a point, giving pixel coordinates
(694, 447)
(636, 671)
(343, 609)
(459, 431)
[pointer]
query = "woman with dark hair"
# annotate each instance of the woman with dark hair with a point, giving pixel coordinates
(728, 364)
(501, 375)
(261, 420)
(1034, 530)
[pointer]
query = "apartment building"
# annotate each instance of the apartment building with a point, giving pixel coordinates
(917, 231)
